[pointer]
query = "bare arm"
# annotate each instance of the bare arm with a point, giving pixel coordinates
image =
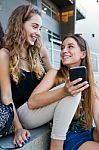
(96, 110)
(42, 95)
(5, 85)
(45, 57)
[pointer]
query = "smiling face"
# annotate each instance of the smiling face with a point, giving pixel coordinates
(71, 53)
(32, 28)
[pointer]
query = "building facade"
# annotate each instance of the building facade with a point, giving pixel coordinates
(60, 17)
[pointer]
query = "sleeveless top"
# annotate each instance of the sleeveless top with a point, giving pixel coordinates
(22, 91)
(79, 123)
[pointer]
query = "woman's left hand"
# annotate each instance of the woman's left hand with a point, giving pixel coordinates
(74, 87)
(22, 136)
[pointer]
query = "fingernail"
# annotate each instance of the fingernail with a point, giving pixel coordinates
(28, 138)
(80, 78)
(20, 145)
(25, 141)
(86, 82)
(15, 145)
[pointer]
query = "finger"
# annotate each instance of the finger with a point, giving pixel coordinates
(14, 141)
(76, 81)
(84, 87)
(20, 141)
(75, 92)
(26, 136)
(78, 86)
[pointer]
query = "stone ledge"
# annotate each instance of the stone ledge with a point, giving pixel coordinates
(40, 140)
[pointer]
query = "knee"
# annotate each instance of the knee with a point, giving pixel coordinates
(96, 135)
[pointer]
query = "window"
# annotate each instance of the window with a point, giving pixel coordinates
(55, 15)
(48, 10)
(66, 15)
(34, 2)
(52, 35)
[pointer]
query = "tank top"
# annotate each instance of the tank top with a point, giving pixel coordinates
(79, 123)
(22, 91)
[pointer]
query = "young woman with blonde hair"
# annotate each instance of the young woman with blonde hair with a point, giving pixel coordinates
(21, 62)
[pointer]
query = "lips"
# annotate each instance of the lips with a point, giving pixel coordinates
(66, 57)
(33, 38)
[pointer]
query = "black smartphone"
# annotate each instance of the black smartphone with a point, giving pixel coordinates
(78, 72)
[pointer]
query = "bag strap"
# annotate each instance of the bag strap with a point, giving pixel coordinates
(9, 148)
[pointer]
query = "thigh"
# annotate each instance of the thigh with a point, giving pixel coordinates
(90, 145)
(32, 118)
(75, 141)
(95, 135)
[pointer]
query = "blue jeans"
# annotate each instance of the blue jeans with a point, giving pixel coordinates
(75, 140)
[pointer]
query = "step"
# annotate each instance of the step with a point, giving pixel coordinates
(40, 139)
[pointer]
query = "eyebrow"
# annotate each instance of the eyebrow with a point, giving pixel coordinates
(71, 44)
(67, 44)
(37, 24)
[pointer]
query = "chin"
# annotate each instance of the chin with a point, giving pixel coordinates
(66, 63)
(31, 43)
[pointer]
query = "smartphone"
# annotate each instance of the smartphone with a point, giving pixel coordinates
(78, 72)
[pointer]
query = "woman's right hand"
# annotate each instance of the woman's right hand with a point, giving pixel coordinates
(74, 87)
(22, 136)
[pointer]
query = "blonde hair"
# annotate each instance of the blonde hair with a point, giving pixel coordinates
(15, 40)
(88, 94)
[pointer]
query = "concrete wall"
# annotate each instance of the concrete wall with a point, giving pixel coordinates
(89, 28)
(90, 25)
(6, 7)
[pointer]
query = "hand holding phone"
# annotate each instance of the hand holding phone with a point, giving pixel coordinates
(78, 72)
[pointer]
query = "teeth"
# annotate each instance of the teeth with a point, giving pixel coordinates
(66, 57)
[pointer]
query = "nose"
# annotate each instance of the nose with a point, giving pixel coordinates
(64, 49)
(38, 32)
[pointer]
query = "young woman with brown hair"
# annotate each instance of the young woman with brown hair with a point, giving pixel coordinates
(61, 102)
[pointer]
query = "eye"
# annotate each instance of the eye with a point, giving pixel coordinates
(34, 27)
(62, 47)
(70, 46)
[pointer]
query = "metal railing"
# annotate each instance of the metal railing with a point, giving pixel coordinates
(95, 56)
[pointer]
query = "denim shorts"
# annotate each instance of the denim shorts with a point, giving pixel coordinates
(75, 140)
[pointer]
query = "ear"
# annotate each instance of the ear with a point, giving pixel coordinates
(83, 54)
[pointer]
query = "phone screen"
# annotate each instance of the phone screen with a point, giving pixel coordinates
(77, 72)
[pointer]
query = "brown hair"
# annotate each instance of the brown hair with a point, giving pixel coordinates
(88, 94)
(15, 39)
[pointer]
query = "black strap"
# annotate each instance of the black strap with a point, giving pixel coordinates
(9, 148)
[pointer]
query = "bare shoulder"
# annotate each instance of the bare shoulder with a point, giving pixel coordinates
(47, 82)
(4, 54)
(50, 76)
(97, 92)
(43, 51)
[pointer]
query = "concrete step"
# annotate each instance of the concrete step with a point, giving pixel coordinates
(40, 140)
